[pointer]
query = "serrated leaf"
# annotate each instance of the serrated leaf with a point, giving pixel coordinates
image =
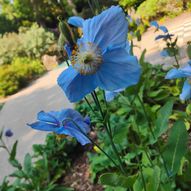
(13, 151)
(114, 179)
(176, 147)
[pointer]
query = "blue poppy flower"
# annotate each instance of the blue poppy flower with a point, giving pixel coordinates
(68, 122)
(184, 72)
(101, 59)
(8, 133)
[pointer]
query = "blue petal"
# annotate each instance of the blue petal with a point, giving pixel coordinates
(69, 114)
(154, 23)
(87, 120)
(186, 91)
(163, 28)
(175, 73)
(75, 85)
(108, 28)
(179, 73)
(76, 21)
(73, 132)
(68, 50)
(39, 125)
(119, 70)
(47, 117)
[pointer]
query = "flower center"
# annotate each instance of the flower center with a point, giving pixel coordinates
(87, 58)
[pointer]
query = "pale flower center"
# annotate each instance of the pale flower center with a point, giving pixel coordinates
(87, 58)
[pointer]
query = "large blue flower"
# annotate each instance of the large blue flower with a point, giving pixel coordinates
(67, 122)
(101, 59)
(184, 72)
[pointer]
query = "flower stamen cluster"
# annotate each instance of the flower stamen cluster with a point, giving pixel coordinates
(87, 58)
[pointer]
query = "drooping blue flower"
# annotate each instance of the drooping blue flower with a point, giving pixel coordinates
(76, 21)
(8, 133)
(68, 122)
(101, 59)
(184, 72)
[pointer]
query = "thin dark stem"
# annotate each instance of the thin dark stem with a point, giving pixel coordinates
(94, 95)
(90, 5)
(89, 105)
(5, 147)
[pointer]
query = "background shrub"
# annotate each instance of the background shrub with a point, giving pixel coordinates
(151, 9)
(29, 42)
(19, 74)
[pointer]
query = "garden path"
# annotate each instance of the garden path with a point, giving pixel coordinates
(21, 108)
(179, 26)
(44, 94)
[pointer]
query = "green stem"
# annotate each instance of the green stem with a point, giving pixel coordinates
(153, 135)
(5, 147)
(105, 123)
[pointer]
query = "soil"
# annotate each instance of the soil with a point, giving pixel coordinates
(79, 177)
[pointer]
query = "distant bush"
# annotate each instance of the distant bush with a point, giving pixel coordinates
(29, 42)
(151, 9)
(17, 75)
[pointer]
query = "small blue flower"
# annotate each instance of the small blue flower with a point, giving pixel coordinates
(154, 24)
(164, 53)
(164, 37)
(184, 72)
(8, 133)
(76, 21)
(111, 95)
(101, 59)
(68, 122)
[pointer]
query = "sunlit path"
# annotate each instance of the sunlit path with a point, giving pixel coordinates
(21, 108)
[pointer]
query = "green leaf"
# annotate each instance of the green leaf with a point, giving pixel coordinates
(162, 119)
(15, 163)
(13, 151)
(18, 174)
(114, 179)
(27, 163)
(154, 181)
(176, 147)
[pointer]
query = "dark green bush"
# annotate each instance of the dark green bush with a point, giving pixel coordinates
(18, 74)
